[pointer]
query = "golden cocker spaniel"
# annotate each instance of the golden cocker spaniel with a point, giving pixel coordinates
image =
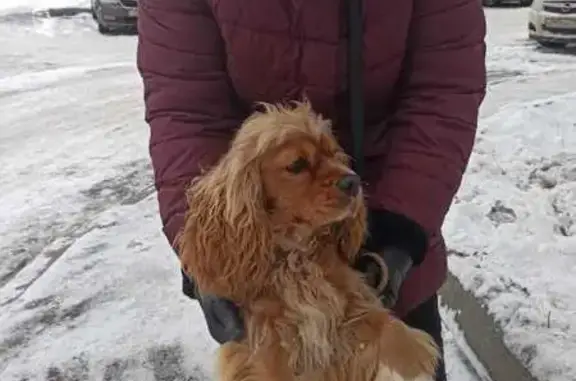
(274, 227)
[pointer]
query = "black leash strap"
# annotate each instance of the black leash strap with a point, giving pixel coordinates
(356, 80)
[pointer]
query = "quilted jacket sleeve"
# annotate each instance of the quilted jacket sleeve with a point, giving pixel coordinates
(432, 130)
(189, 103)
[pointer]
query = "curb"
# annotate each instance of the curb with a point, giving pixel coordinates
(482, 333)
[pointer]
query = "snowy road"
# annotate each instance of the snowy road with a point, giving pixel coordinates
(88, 287)
(72, 143)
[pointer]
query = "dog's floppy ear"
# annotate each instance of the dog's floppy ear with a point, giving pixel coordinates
(226, 241)
(351, 233)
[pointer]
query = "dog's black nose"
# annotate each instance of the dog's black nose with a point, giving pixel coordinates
(349, 184)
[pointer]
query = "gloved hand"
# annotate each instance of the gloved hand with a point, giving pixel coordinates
(223, 317)
(395, 244)
(385, 272)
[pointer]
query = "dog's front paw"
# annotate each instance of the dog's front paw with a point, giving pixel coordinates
(410, 353)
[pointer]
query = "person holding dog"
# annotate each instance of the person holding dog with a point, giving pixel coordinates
(205, 63)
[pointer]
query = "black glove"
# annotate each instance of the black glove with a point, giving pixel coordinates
(385, 272)
(222, 316)
(395, 244)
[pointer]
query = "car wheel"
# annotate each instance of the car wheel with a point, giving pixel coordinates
(552, 44)
(103, 29)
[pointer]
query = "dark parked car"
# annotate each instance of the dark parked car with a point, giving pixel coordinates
(111, 15)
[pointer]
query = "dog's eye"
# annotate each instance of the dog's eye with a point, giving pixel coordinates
(298, 165)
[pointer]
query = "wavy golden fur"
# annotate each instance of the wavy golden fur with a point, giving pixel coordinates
(269, 228)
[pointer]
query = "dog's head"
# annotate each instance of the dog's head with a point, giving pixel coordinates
(306, 183)
(284, 182)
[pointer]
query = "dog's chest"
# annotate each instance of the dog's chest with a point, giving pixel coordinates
(315, 310)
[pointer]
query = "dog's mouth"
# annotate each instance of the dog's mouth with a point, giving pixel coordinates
(343, 214)
(347, 206)
(342, 208)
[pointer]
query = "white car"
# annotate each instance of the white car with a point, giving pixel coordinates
(552, 23)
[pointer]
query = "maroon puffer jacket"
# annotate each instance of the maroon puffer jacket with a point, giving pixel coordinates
(204, 63)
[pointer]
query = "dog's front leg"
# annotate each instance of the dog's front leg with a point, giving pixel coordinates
(398, 351)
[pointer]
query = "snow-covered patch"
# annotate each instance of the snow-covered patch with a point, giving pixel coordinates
(21, 6)
(37, 79)
(109, 308)
(513, 231)
(73, 144)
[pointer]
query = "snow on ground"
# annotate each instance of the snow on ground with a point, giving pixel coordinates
(73, 144)
(513, 224)
(513, 230)
(109, 309)
(70, 44)
(11, 6)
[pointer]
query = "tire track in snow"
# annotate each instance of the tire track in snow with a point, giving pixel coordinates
(50, 239)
